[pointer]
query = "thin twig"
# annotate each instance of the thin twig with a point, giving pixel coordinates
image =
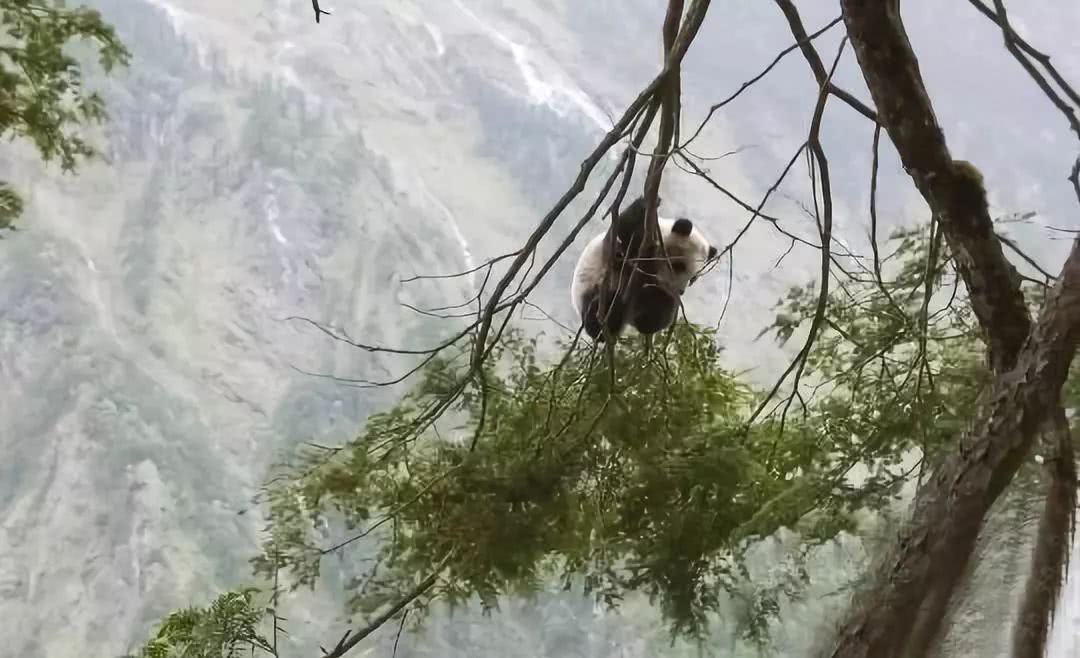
(814, 144)
(1017, 47)
(814, 60)
(799, 42)
(351, 638)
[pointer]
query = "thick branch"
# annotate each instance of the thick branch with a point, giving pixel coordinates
(669, 96)
(953, 189)
(951, 507)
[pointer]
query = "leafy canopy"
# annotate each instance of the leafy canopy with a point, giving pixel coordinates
(640, 469)
(41, 87)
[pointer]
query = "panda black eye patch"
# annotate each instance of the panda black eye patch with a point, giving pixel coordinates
(678, 266)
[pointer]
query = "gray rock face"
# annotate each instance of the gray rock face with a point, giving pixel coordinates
(258, 167)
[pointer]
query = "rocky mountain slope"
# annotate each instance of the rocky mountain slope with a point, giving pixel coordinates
(258, 167)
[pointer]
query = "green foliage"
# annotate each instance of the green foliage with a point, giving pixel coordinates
(637, 470)
(898, 365)
(643, 469)
(227, 628)
(41, 92)
(567, 461)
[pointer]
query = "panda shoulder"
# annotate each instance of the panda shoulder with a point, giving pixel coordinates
(592, 253)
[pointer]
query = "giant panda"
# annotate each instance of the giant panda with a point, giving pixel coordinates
(651, 300)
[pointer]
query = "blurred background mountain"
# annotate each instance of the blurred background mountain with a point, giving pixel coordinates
(258, 166)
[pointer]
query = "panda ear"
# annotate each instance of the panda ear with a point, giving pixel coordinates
(683, 227)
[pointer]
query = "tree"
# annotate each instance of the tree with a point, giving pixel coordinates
(939, 366)
(41, 92)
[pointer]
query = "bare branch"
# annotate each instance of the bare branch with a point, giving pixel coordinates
(1075, 178)
(351, 639)
(344, 338)
(702, 173)
(746, 85)
(1015, 248)
(814, 60)
(1039, 56)
(764, 199)
(874, 220)
(319, 12)
(669, 115)
(825, 225)
(401, 627)
(1020, 50)
(487, 264)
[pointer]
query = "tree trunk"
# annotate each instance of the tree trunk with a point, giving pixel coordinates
(950, 508)
(902, 615)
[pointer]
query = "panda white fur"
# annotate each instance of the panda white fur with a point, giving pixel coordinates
(651, 304)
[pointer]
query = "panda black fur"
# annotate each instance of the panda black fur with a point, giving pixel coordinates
(651, 300)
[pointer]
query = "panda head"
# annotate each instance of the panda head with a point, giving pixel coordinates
(688, 252)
